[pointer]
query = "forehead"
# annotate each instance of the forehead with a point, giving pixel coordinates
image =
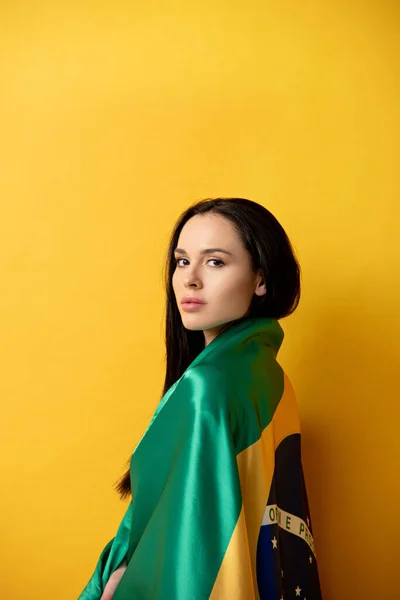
(209, 230)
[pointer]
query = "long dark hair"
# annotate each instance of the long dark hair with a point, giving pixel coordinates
(270, 249)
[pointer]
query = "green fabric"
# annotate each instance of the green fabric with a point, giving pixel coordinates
(186, 494)
(110, 558)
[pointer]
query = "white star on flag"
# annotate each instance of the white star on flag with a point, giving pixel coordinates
(274, 542)
(297, 590)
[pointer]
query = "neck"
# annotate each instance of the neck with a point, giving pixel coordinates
(211, 334)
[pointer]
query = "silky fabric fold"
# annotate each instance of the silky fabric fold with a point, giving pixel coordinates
(219, 505)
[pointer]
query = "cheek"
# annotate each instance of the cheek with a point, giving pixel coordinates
(234, 297)
(235, 286)
(176, 283)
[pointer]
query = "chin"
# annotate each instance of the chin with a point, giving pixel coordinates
(195, 322)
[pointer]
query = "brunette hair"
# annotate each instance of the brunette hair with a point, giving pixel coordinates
(270, 249)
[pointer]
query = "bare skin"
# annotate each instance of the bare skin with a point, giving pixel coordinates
(113, 582)
(225, 281)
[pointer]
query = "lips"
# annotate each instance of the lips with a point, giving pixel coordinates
(191, 300)
(192, 305)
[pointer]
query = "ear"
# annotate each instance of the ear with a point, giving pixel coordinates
(261, 287)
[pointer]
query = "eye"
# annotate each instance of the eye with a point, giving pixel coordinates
(176, 260)
(216, 260)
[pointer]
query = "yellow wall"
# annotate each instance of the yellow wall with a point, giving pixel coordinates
(113, 118)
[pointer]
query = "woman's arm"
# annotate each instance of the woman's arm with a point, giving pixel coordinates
(111, 559)
(113, 582)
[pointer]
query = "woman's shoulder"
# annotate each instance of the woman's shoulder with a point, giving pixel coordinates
(205, 386)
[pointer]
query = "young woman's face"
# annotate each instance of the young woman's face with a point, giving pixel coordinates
(225, 283)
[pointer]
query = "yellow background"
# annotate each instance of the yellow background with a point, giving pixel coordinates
(114, 117)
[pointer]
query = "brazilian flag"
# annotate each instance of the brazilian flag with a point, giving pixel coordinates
(219, 506)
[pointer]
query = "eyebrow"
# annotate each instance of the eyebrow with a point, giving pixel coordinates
(206, 251)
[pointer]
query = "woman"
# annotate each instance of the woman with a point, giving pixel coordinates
(219, 506)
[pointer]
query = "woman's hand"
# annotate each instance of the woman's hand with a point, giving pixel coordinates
(113, 582)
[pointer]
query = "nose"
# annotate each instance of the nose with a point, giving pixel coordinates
(191, 278)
